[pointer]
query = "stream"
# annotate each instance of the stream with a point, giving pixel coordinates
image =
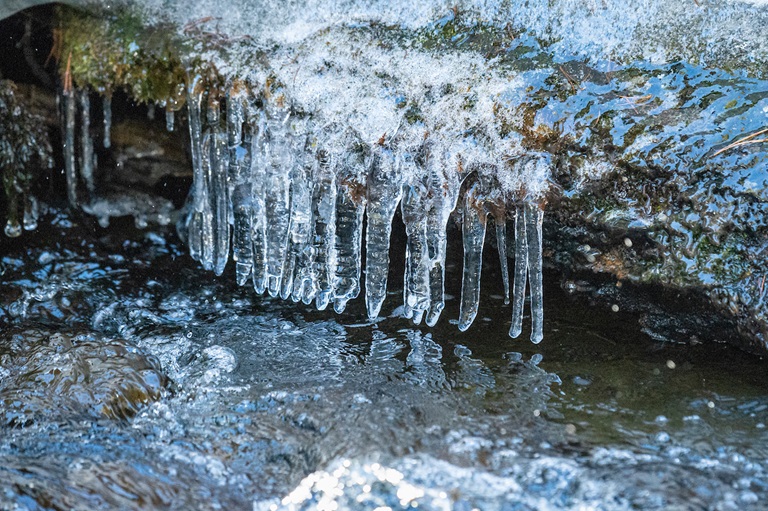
(132, 379)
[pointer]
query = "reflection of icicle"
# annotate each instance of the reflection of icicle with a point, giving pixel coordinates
(473, 229)
(521, 273)
(240, 167)
(69, 146)
(416, 277)
(444, 185)
(384, 193)
(259, 216)
(107, 118)
(324, 227)
(86, 142)
(276, 202)
(533, 222)
(195, 223)
(30, 212)
(501, 241)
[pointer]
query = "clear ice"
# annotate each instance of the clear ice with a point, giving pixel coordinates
(304, 200)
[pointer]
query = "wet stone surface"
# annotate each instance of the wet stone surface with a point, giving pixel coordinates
(177, 389)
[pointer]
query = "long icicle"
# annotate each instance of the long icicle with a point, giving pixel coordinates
(199, 188)
(416, 275)
(350, 208)
(86, 142)
(107, 119)
(534, 217)
(260, 151)
(70, 164)
(384, 193)
(324, 229)
(500, 219)
(296, 276)
(240, 168)
(521, 273)
(445, 184)
(473, 230)
(277, 200)
(219, 187)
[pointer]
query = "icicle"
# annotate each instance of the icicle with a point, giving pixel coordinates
(384, 193)
(521, 273)
(206, 216)
(276, 202)
(199, 188)
(216, 223)
(323, 233)
(106, 103)
(534, 217)
(169, 119)
(239, 139)
(500, 219)
(220, 201)
(30, 212)
(473, 230)
(297, 277)
(416, 275)
(69, 145)
(444, 183)
(86, 142)
(350, 208)
(259, 215)
(151, 111)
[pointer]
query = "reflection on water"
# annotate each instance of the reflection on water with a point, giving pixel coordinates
(130, 379)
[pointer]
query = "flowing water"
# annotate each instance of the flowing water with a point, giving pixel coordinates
(131, 379)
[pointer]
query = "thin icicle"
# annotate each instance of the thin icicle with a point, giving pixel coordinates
(220, 201)
(444, 184)
(206, 216)
(106, 104)
(500, 219)
(69, 146)
(239, 138)
(473, 231)
(169, 119)
(350, 208)
(521, 273)
(323, 230)
(199, 187)
(416, 275)
(86, 142)
(277, 200)
(534, 217)
(384, 193)
(259, 215)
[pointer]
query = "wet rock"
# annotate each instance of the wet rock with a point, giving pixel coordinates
(65, 375)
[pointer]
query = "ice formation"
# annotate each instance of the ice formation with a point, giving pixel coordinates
(301, 201)
(314, 124)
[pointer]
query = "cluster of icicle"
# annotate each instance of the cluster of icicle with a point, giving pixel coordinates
(289, 200)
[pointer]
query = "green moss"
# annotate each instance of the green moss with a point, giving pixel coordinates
(112, 49)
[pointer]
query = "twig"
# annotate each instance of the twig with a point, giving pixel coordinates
(744, 141)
